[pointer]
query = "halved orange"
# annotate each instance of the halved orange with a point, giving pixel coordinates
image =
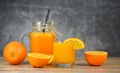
(77, 43)
(38, 59)
(95, 57)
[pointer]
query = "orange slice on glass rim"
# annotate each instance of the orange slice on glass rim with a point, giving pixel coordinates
(77, 43)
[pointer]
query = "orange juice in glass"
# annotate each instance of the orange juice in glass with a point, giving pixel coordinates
(41, 38)
(63, 54)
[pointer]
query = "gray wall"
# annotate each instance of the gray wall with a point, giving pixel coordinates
(96, 22)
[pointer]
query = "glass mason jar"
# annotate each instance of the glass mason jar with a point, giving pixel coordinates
(41, 38)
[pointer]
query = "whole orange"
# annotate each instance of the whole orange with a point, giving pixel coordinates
(95, 57)
(14, 52)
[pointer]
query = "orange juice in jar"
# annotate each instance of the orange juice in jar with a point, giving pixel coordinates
(41, 42)
(64, 54)
(41, 38)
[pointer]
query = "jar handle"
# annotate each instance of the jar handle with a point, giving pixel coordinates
(22, 36)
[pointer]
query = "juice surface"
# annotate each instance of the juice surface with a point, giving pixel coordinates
(63, 53)
(41, 42)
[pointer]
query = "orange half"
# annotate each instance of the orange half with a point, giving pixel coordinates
(38, 59)
(95, 57)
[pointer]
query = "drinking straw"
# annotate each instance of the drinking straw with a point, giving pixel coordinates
(47, 18)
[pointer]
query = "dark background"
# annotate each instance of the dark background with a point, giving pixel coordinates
(96, 22)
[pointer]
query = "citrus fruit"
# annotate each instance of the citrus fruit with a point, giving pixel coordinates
(51, 59)
(38, 59)
(77, 43)
(95, 57)
(14, 52)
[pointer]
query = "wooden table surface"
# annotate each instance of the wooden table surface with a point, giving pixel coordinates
(112, 65)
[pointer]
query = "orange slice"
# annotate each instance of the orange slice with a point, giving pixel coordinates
(77, 43)
(51, 59)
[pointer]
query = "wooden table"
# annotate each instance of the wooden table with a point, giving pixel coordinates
(112, 65)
